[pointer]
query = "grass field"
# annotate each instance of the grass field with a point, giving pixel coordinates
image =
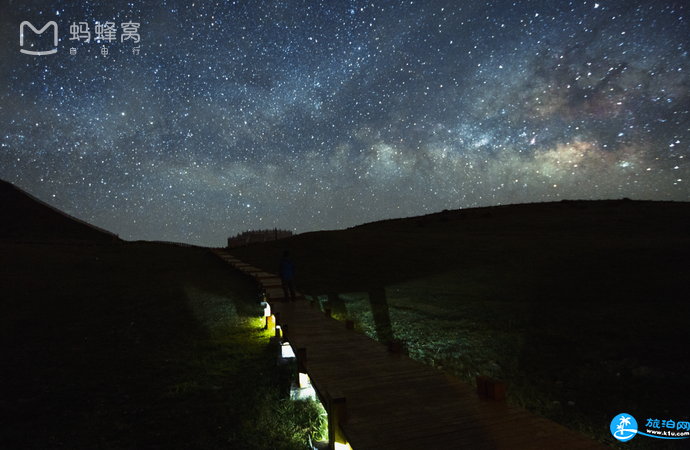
(138, 345)
(580, 307)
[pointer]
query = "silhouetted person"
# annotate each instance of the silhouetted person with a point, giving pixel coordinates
(286, 271)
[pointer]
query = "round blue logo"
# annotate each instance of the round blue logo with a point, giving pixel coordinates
(624, 427)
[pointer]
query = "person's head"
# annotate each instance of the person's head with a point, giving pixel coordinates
(286, 253)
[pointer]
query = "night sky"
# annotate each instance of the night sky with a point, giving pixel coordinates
(308, 115)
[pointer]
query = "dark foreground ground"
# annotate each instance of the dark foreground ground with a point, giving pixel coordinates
(138, 346)
(580, 307)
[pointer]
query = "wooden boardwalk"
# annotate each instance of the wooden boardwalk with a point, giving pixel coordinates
(377, 399)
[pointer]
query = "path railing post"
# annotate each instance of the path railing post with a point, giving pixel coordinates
(395, 346)
(277, 325)
(301, 368)
(488, 387)
(337, 414)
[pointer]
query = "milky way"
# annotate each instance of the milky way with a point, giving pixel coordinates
(308, 115)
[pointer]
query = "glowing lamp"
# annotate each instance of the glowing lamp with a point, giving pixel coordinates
(304, 380)
(286, 351)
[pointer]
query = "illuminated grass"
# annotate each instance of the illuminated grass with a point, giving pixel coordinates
(139, 345)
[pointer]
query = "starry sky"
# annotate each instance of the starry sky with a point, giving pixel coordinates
(310, 115)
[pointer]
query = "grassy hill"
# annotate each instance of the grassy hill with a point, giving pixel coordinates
(27, 219)
(580, 307)
(114, 345)
(568, 237)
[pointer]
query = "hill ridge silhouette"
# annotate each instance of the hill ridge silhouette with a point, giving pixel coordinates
(415, 247)
(27, 219)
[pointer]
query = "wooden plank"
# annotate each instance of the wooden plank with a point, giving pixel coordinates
(448, 413)
(433, 426)
(394, 402)
(262, 275)
(270, 282)
(481, 438)
(276, 294)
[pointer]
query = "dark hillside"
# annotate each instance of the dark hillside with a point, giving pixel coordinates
(515, 250)
(27, 219)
